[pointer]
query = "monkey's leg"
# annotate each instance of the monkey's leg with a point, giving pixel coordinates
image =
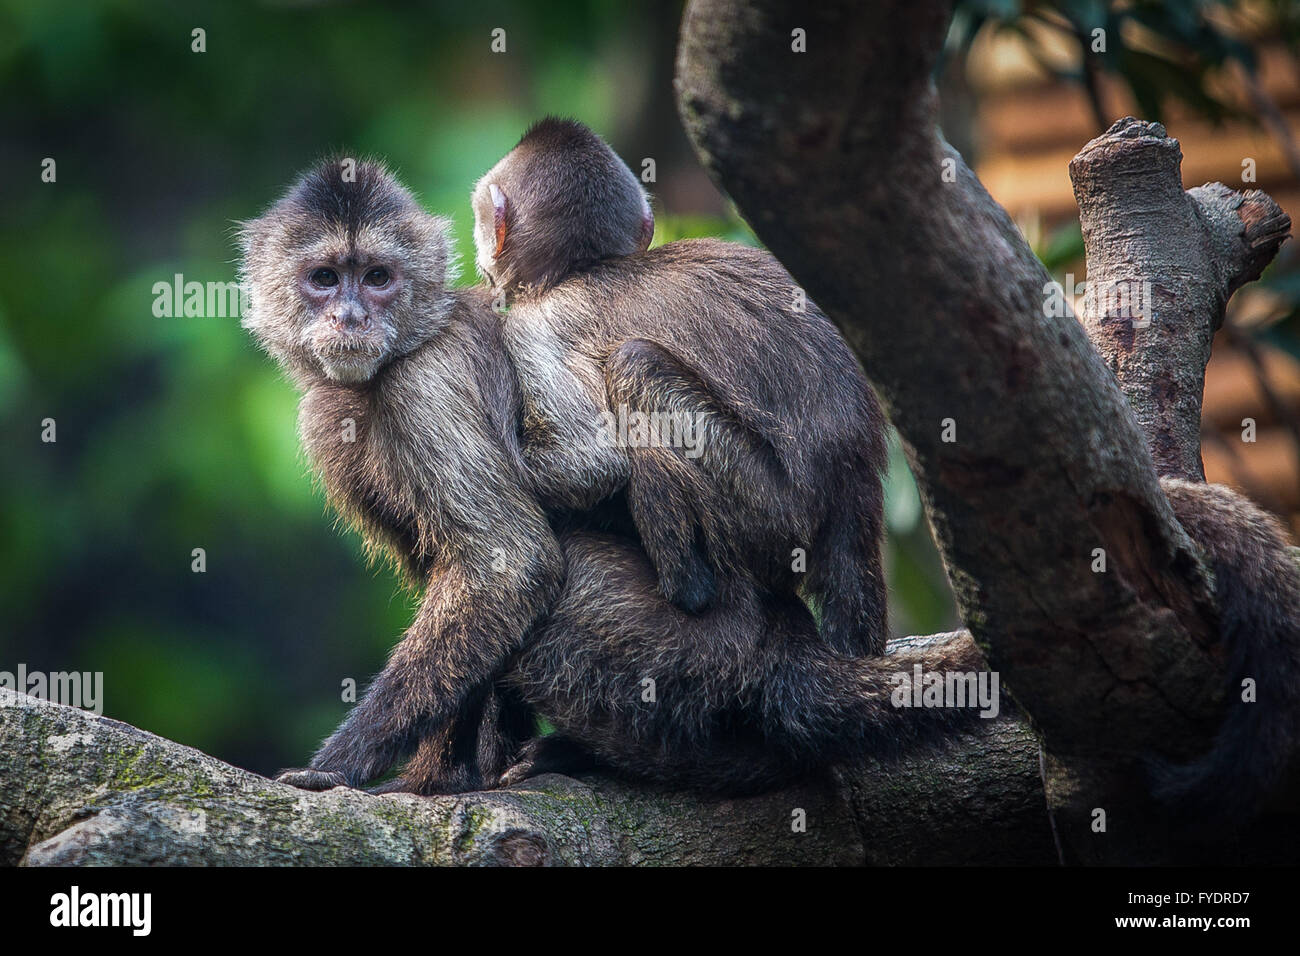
(699, 493)
(466, 628)
(670, 501)
(444, 761)
(554, 753)
(472, 752)
(846, 576)
(513, 723)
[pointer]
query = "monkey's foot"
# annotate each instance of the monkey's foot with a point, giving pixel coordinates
(695, 591)
(396, 785)
(308, 779)
(550, 754)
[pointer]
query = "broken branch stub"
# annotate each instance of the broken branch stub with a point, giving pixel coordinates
(1162, 264)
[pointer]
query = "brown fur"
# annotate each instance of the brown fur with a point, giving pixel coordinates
(792, 443)
(1257, 586)
(748, 695)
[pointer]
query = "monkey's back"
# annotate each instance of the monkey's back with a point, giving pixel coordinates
(734, 313)
(741, 326)
(736, 316)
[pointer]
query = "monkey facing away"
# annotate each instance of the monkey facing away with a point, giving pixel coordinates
(783, 480)
(562, 228)
(409, 415)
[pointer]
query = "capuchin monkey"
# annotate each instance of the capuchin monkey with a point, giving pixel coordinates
(792, 437)
(694, 377)
(409, 415)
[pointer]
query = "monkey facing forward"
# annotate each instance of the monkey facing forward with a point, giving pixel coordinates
(783, 482)
(406, 415)
(409, 415)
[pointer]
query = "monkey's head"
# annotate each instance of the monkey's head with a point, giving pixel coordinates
(345, 273)
(560, 200)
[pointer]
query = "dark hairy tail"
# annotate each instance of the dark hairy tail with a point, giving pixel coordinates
(742, 698)
(1257, 586)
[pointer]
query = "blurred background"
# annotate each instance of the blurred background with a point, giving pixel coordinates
(174, 433)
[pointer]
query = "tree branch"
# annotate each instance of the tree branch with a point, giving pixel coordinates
(1174, 256)
(80, 789)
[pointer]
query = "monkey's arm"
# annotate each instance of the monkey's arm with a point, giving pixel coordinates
(580, 446)
(688, 488)
(495, 566)
(467, 625)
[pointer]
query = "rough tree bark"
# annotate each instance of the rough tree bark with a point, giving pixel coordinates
(834, 158)
(1182, 254)
(79, 789)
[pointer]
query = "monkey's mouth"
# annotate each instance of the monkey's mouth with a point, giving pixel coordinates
(350, 358)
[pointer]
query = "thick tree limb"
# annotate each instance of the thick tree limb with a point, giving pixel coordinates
(79, 789)
(833, 157)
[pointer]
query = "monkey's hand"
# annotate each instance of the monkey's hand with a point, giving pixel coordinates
(693, 587)
(308, 779)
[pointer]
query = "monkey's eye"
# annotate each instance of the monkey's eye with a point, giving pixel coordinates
(324, 278)
(377, 276)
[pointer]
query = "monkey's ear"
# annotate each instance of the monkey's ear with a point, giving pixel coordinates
(498, 216)
(647, 227)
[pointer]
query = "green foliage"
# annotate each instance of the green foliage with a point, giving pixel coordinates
(672, 228)
(1162, 52)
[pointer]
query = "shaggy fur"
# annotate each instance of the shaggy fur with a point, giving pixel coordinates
(1257, 587)
(793, 437)
(747, 693)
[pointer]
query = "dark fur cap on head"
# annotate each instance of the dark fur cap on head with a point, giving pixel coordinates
(342, 211)
(568, 201)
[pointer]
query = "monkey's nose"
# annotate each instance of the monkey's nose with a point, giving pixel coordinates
(351, 318)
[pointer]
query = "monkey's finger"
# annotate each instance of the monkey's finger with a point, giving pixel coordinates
(517, 773)
(308, 779)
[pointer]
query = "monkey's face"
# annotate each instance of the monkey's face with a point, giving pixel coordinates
(345, 274)
(351, 309)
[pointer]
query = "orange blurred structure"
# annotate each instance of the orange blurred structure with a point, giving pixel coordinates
(1028, 127)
